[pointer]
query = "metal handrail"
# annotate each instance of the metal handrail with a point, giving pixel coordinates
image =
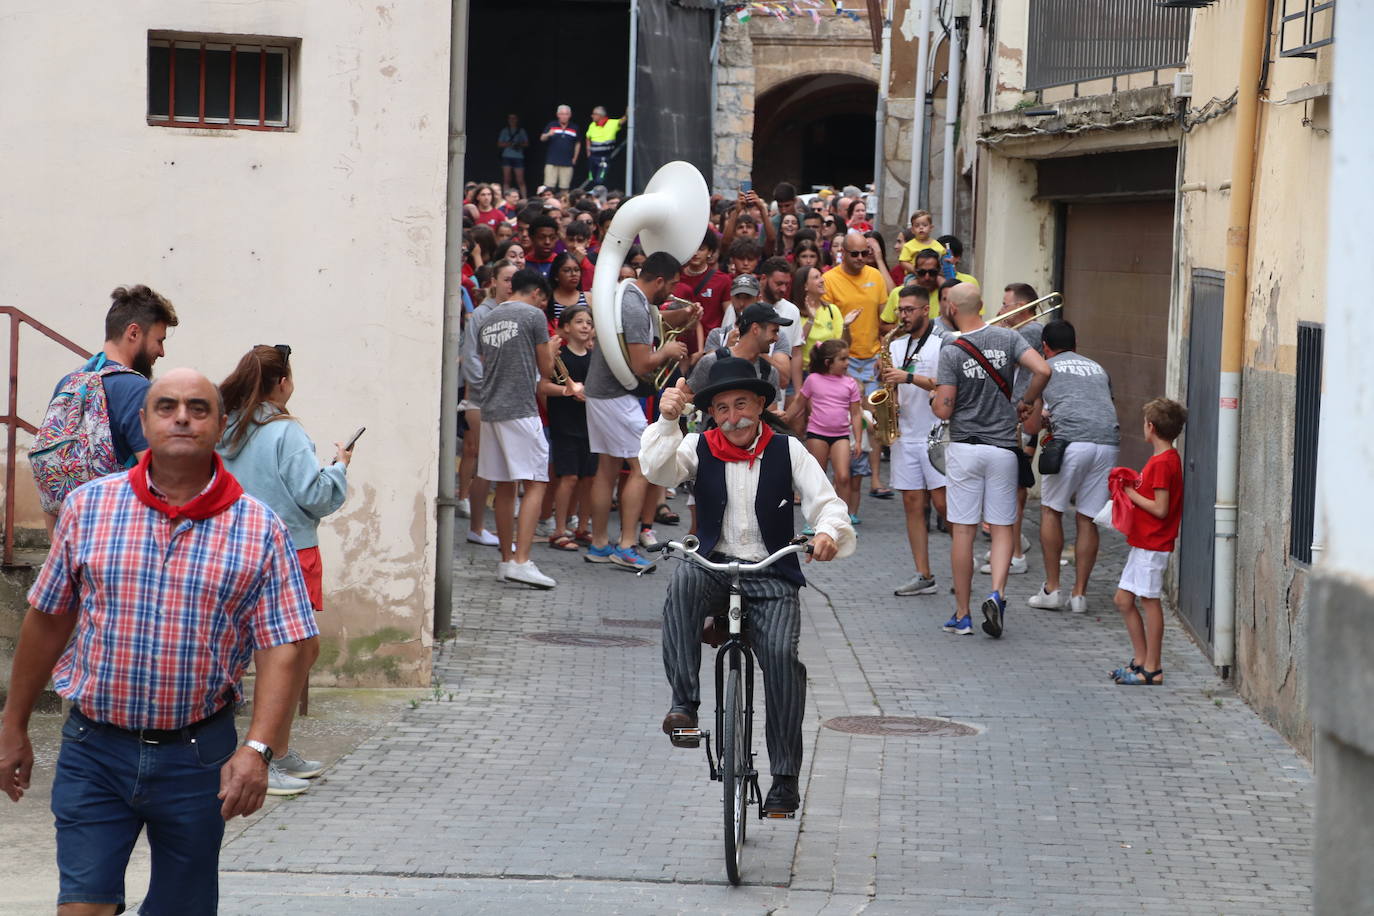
(13, 422)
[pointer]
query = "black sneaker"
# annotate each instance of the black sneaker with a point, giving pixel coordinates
(994, 609)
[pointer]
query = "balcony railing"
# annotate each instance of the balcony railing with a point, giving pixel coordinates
(1074, 41)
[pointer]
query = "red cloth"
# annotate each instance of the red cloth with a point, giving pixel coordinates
(1162, 472)
(492, 218)
(588, 273)
(713, 297)
(222, 493)
(313, 571)
(1123, 510)
(725, 450)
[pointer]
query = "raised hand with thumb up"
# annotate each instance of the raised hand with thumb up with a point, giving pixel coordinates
(674, 400)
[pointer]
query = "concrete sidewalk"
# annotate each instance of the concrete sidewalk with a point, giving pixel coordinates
(538, 780)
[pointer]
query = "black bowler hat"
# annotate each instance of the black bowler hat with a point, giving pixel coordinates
(733, 374)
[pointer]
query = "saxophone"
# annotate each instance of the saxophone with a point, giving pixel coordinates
(883, 402)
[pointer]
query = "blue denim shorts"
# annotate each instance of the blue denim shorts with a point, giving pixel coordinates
(109, 786)
(865, 372)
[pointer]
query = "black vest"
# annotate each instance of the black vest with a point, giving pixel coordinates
(772, 503)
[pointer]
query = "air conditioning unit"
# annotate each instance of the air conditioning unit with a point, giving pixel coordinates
(1183, 85)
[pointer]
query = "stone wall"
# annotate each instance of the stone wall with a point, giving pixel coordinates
(734, 118)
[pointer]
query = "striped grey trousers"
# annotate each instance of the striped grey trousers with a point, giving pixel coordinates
(774, 624)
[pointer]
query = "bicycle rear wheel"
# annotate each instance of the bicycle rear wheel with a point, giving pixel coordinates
(734, 766)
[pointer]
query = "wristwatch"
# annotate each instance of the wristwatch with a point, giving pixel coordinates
(911, 378)
(261, 748)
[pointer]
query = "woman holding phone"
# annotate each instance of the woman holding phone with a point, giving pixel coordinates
(267, 449)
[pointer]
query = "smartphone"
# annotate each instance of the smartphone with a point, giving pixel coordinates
(352, 441)
(746, 186)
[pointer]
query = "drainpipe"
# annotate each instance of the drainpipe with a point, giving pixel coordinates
(1254, 45)
(630, 102)
(951, 122)
(447, 502)
(918, 108)
(880, 115)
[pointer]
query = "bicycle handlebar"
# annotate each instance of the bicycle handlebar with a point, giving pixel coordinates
(687, 548)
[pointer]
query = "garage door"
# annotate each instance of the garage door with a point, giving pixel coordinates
(1117, 258)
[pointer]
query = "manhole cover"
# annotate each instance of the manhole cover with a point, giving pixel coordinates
(590, 640)
(630, 622)
(901, 726)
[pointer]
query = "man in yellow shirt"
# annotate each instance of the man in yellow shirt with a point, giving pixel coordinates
(601, 139)
(856, 287)
(927, 275)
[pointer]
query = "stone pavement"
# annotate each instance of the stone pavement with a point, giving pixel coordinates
(538, 780)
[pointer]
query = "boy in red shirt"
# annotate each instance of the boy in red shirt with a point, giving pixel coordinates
(1158, 501)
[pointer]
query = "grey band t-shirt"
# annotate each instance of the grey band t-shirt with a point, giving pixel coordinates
(982, 414)
(1034, 332)
(1078, 399)
(638, 329)
(508, 338)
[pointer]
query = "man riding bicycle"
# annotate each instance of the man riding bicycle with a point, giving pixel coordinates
(745, 475)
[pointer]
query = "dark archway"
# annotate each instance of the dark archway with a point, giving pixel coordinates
(815, 130)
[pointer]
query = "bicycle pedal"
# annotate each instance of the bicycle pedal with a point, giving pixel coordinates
(779, 815)
(688, 737)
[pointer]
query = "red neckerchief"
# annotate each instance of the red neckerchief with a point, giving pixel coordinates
(220, 495)
(725, 450)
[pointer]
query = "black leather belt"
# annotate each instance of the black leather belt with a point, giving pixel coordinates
(161, 735)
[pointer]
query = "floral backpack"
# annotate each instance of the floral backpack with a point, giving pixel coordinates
(73, 444)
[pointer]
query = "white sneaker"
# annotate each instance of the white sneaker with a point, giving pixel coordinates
(278, 783)
(573, 522)
(501, 570)
(1018, 567)
(485, 538)
(1025, 543)
(917, 585)
(670, 493)
(293, 764)
(1048, 601)
(1078, 604)
(647, 538)
(544, 528)
(463, 509)
(528, 574)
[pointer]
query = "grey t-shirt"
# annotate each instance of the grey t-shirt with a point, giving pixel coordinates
(1034, 332)
(638, 325)
(982, 413)
(1078, 398)
(701, 372)
(470, 354)
(509, 336)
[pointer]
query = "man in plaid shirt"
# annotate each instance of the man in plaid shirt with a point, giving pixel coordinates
(172, 580)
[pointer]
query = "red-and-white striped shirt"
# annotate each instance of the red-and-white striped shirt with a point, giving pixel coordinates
(171, 610)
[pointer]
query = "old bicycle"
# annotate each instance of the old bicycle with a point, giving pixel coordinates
(733, 766)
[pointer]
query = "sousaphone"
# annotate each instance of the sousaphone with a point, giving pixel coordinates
(671, 215)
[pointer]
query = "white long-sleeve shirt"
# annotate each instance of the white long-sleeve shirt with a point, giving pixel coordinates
(667, 458)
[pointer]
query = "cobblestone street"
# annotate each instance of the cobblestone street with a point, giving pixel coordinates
(538, 780)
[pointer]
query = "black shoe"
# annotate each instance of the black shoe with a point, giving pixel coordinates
(783, 797)
(994, 609)
(680, 718)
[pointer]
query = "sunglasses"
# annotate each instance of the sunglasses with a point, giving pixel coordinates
(924, 272)
(283, 349)
(857, 254)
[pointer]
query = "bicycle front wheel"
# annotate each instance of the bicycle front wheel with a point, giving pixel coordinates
(734, 766)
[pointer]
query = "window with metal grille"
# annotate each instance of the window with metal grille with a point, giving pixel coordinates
(1306, 414)
(215, 82)
(1305, 26)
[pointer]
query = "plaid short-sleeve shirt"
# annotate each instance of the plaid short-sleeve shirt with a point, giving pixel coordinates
(171, 610)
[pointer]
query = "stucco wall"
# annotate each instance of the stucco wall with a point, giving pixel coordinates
(1287, 284)
(328, 237)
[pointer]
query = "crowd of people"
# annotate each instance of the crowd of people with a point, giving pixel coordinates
(184, 514)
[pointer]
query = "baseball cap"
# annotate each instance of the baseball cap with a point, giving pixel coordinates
(745, 284)
(762, 313)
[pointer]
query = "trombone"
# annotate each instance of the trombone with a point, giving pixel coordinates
(1038, 309)
(668, 335)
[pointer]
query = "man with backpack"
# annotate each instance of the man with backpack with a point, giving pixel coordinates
(92, 426)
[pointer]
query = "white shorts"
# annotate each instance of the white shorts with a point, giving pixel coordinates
(1144, 572)
(615, 425)
(1082, 478)
(513, 450)
(909, 467)
(981, 484)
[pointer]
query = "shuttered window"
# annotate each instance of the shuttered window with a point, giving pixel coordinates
(1307, 414)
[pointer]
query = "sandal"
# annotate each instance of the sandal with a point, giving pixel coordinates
(1141, 678)
(881, 493)
(1121, 671)
(562, 542)
(666, 516)
(582, 536)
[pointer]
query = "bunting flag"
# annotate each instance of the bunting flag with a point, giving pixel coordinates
(794, 9)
